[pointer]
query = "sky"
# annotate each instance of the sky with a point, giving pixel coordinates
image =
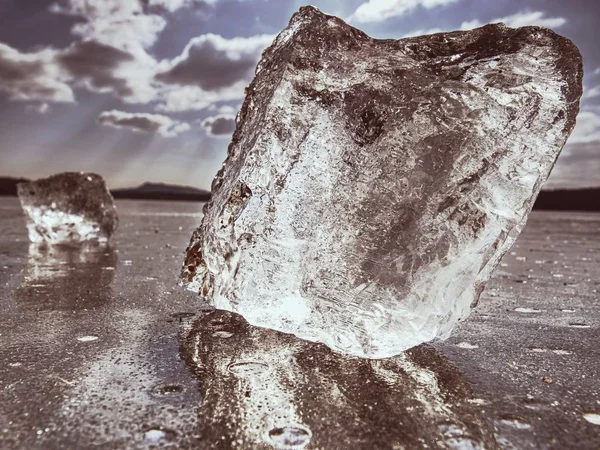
(147, 90)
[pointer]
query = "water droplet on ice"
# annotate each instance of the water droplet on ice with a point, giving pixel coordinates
(592, 418)
(244, 368)
(291, 436)
(515, 422)
(183, 315)
(467, 345)
(156, 435)
(222, 334)
(527, 310)
(164, 390)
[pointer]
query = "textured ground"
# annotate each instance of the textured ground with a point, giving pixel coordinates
(523, 371)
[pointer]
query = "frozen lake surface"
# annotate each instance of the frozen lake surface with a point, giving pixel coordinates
(104, 350)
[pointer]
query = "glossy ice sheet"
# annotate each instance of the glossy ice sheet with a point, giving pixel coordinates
(103, 350)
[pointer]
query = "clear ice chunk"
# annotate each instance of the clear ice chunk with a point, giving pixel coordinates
(372, 186)
(69, 208)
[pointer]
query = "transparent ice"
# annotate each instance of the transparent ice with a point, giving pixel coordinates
(68, 209)
(372, 186)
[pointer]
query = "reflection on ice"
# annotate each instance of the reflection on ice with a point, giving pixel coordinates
(63, 278)
(266, 389)
(47, 262)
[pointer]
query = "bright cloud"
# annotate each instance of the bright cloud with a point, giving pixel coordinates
(32, 76)
(213, 62)
(520, 19)
(142, 122)
(587, 129)
(591, 93)
(193, 98)
(379, 10)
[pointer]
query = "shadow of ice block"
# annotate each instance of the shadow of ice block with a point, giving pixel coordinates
(263, 389)
(68, 209)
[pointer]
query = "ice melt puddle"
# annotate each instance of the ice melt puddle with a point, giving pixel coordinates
(245, 368)
(527, 310)
(467, 345)
(579, 325)
(157, 435)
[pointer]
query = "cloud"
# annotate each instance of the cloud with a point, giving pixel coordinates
(118, 33)
(143, 122)
(587, 130)
(424, 31)
(210, 69)
(169, 5)
(95, 65)
(32, 76)
(174, 5)
(193, 98)
(111, 54)
(520, 19)
(220, 126)
(591, 93)
(578, 166)
(227, 109)
(212, 62)
(380, 10)
(114, 22)
(40, 108)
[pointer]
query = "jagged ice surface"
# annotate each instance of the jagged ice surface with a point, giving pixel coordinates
(372, 186)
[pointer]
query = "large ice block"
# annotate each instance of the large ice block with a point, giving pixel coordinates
(372, 186)
(68, 209)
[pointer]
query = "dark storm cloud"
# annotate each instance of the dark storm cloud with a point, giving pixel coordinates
(95, 64)
(32, 76)
(212, 62)
(12, 70)
(219, 126)
(143, 122)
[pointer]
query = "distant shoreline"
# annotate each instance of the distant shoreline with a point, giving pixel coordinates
(126, 194)
(587, 199)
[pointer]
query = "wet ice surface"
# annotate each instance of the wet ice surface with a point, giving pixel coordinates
(263, 387)
(523, 380)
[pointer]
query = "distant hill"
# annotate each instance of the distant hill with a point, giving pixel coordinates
(147, 191)
(556, 200)
(8, 186)
(569, 200)
(161, 191)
